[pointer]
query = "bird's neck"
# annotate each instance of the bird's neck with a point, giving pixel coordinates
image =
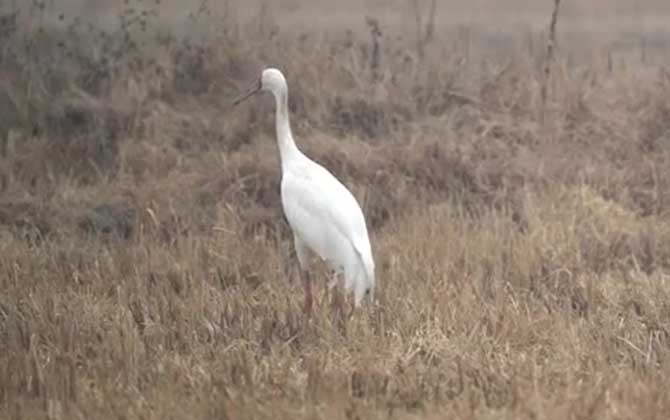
(287, 147)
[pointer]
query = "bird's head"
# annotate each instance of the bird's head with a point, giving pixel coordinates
(270, 80)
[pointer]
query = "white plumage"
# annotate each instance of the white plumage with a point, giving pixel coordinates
(323, 214)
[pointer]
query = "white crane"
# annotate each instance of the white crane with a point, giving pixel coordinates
(323, 214)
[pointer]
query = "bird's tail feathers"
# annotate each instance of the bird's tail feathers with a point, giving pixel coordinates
(363, 276)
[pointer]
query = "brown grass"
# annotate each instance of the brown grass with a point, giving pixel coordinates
(146, 270)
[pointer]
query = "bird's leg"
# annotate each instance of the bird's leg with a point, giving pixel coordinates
(332, 285)
(324, 297)
(337, 312)
(307, 283)
(351, 312)
(335, 301)
(333, 282)
(326, 290)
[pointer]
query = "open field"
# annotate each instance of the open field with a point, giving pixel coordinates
(522, 250)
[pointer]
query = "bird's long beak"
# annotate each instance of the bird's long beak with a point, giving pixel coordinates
(253, 89)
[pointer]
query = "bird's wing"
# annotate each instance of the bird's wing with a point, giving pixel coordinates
(315, 191)
(325, 213)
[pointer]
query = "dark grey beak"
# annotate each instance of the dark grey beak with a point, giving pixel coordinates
(253, 89)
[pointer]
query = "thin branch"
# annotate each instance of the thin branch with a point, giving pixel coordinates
(551, 41)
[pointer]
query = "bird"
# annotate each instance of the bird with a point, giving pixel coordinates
(324, 216)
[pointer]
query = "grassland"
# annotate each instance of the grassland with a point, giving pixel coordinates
(146, 271)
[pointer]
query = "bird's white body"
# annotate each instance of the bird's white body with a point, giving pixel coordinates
(326, 218)
(323, 214)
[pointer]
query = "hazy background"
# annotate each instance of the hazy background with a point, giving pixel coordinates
(595, 16)
(617, 26)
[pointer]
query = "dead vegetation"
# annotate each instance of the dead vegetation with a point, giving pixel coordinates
(146, 266)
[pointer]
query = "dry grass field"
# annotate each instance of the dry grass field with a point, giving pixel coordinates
(522, 250)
